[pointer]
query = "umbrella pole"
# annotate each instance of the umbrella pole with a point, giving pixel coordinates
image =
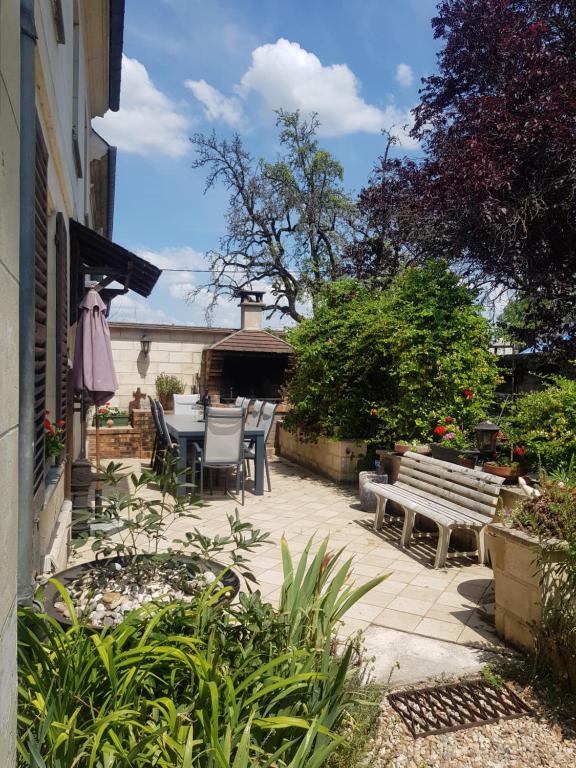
(98, 485)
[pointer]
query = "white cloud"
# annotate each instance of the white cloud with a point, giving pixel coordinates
(128, 309)
(148, 122)
(229, 109)
(285, 75)
(404, 74)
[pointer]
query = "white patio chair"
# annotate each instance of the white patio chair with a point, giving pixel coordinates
(253, 418)
(223, 445)
(266, 421)
(186, 403)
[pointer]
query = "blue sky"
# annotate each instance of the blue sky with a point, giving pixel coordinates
(196, 65)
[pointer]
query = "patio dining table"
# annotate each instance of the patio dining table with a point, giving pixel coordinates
(187, 428)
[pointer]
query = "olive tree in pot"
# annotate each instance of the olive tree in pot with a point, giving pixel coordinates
(166, 387)
(140, 563)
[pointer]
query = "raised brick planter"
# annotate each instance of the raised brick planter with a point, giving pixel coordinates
(336, 459)
(135, 441)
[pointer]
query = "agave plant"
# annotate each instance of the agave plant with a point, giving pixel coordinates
(194, 685)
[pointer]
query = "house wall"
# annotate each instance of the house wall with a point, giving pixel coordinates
(59, 112)
(9, 303)
(175, 350)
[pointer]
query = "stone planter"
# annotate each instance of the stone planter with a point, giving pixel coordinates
(367, 498)
(49, 595)
(515, 559)
(336, 459)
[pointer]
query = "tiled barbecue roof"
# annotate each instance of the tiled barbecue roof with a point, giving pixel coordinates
(253, 341)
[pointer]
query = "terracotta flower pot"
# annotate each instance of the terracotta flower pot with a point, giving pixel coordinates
(508, 472)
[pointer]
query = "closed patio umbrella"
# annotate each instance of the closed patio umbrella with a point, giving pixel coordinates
(93, 374)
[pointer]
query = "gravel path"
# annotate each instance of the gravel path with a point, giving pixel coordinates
(526, 742)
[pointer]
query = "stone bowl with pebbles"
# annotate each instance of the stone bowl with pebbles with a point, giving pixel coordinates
(104, 591)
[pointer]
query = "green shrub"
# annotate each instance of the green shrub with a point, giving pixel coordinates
(545, 424)
(388, 364)
(167, 386)
(194, 685)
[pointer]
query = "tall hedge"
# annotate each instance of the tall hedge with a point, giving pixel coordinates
(387, 364)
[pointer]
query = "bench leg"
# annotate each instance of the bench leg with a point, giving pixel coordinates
(480, 546)
(409, 518)
(380, 511)
(442, 549)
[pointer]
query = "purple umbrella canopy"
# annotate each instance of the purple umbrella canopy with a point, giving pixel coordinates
(93, 371)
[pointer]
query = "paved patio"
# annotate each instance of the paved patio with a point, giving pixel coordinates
(415, 598)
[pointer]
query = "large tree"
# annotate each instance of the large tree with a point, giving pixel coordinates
(497, 185)
(288, 221)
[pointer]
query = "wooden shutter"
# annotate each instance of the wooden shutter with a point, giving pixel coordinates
(61, 240)
(40, 314)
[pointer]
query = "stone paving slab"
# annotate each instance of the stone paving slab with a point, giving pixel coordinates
(415, 598)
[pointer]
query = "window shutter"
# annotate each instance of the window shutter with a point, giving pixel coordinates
(61, 240)
(40, 314)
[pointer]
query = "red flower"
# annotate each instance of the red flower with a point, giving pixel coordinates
(448, 419)
(47, 413)
(519, 451)
(47, 424)
(439, 430)
(101, 410)
(60, 423)
(468, 393)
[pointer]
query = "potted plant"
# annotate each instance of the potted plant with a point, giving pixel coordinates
(417, 446)
(53, 438)
(111, 416)
(508, 463)
(450, 442)
(166, 387)
(139, 563)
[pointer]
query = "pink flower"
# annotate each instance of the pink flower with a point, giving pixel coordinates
(449, 436)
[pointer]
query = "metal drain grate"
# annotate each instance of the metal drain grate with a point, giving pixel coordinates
(426, 711)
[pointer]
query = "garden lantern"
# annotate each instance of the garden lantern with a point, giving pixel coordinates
(145, 344)
(486, 433)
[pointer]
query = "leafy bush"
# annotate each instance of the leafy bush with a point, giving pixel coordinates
(194, 685)
(387, 364)
(167, 386)
(545, 424)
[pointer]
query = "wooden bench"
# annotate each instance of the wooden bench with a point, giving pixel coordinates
(453, 497)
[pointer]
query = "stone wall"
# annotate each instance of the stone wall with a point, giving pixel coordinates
(336, 459)
(135, 441)
(175, 350)
(9, 303)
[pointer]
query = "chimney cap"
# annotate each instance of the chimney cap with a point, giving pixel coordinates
(251, 297)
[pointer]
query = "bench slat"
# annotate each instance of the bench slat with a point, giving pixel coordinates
(461, 495)
(472, 478)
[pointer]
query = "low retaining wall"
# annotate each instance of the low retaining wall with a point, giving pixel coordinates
(135, 441)
(336, 459)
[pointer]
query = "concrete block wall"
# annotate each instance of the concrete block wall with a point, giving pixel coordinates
(336, 459)
(175, 350)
